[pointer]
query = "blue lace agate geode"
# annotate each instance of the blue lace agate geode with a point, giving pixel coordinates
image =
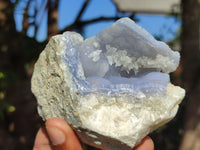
(112, 88)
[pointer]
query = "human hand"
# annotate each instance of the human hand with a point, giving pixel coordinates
(63, 138)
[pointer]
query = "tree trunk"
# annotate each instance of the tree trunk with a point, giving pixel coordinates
(190, 43)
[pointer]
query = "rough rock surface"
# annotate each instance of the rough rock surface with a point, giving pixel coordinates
(113, 89)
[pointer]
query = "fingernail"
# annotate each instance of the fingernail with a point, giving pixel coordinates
(57, 137)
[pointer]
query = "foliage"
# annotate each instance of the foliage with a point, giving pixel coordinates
(18, 53)
(6, 78)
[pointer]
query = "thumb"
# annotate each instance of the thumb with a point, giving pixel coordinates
(61, 135)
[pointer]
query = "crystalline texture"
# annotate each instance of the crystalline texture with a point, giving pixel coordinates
(128, 46)
(108, 87)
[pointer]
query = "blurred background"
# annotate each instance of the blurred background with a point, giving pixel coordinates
(27, 25)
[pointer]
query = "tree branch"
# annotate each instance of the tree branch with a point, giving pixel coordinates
(81, 11)
(76, 25)
(25, 23)
(52, 8)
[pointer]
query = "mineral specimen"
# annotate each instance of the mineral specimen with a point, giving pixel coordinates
(113, 88)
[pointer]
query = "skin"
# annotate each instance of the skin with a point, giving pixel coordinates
(69, 139)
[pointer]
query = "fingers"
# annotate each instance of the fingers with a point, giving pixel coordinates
(146, 144)
(41, 141)
(61, 135)
(67, 142)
